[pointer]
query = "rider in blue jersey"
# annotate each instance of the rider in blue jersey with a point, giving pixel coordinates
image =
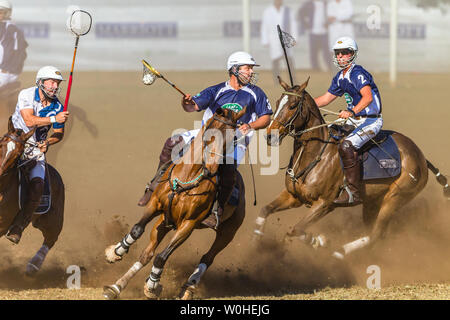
(363, 112)
(239, 91)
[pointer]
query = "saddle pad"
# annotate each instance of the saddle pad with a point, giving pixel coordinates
(46, 199)
(384, 162)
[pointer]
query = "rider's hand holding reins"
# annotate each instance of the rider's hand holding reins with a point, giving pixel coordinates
(345, 114)
(43, 146)
(245, 128)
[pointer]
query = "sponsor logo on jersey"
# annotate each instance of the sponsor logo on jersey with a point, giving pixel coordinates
(232, 106)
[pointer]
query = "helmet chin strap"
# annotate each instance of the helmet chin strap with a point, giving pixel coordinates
(242, 79)
(44, 91)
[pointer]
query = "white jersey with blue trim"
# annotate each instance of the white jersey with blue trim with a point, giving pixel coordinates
(350, 86)
(29, 99)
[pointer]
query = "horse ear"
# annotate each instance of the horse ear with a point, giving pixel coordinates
(220, 111)
(304, 85)
(27, 135)
(283, 84)
(237, 116)
(10, 125)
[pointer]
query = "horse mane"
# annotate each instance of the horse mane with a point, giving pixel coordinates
(312, 106)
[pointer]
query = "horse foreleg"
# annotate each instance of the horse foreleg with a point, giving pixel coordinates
(158, 232)
(319, 209)
(224, 236)
(152, 287)
(115, 252)
(284, 201)
(50, 225)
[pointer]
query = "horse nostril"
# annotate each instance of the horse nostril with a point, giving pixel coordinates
(268, 137)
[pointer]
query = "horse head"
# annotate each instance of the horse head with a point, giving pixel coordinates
(220, 131)
(294, 108)
(12, 145)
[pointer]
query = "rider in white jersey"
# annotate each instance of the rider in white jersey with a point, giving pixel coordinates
(37, 106)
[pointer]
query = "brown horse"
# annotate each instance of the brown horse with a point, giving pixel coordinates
(316, 176)
(181, 201)
(12, 145)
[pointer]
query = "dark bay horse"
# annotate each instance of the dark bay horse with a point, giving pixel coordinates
(12, 145)
(181, 201)
(316, 174)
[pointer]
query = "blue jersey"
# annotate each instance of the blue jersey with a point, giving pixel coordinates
(350, 86)
(224, 96)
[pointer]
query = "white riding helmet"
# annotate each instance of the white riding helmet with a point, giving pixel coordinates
(345, 43)
(6, 7)
(48, 72)
(240, 58)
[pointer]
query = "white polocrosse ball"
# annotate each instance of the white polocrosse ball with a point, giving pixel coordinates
(148, 79)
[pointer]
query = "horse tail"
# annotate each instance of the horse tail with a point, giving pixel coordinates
(440, 178)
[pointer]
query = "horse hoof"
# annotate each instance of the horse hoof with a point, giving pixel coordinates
(31, 270)
(111, 292)
(187, 293)
(152, 294)
(110, 254)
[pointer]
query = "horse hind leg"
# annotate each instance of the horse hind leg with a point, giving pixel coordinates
(225, 234)
(158, 232)
(152, 286)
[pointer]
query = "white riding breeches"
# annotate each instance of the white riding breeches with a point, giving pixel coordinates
(39, 170)
(237, 154)
(366, 129)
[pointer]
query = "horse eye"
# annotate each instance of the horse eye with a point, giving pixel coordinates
(292, 107)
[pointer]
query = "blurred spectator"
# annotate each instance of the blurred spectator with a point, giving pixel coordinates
(12, 46)
(312, 16)
(274, 15)
(340, 13)
(12, 57)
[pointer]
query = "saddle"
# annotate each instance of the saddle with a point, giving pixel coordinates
(232, 201)
(379, 156)
(46, 199)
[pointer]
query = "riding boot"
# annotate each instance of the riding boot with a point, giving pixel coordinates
(151, 186)
(351, 193)
(23, 218)
(227, 179)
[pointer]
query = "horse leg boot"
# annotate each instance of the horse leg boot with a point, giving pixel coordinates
(23, 218)
(351, 194)
(165, 159)
(227, 180)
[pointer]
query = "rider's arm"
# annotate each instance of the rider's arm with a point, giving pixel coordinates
(31, 120)
(366, 99)
(56, 137)
(325, 99)
(188, 104)
(261, 122)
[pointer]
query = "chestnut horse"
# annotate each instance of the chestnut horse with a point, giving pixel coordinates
(317, 176)
(181, 201)
(12, 145)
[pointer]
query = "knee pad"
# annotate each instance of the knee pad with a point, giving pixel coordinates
(168, 146)
(346, 147)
